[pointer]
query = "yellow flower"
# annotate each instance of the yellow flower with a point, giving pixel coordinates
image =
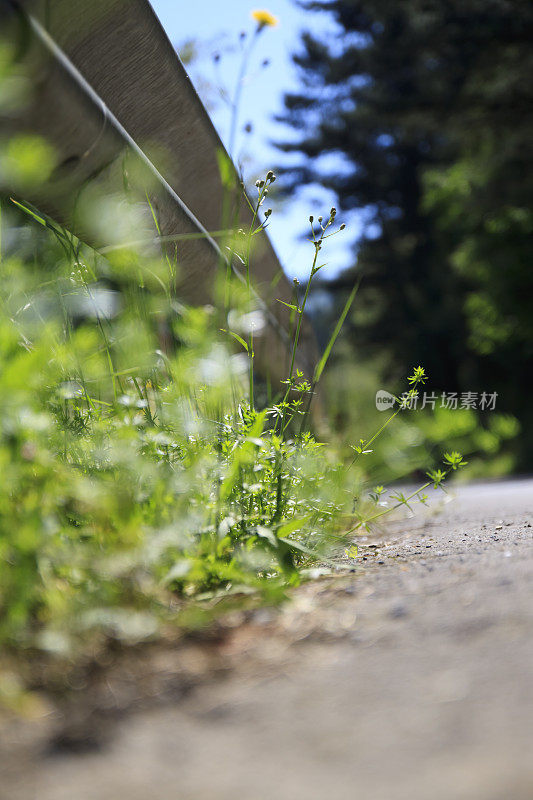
(264, 19)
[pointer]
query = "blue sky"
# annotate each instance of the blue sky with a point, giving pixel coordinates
(215, 26)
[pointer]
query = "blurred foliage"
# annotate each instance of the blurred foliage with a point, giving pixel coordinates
(135, 475)
(413, 444)
(430, 106)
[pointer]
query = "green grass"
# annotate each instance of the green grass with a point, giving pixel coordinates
(134, 478)
(143, 480)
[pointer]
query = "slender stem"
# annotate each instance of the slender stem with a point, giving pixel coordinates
(247, 258)
(300, 313)
(230, 203)
(375, 436)
(238, 93)
(378, 432)
(249, 288)
(393, 508)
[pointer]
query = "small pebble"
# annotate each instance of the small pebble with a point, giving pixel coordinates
(398, 611)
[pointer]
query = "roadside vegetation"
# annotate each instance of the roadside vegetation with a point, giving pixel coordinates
(140, 482)
(148, 479)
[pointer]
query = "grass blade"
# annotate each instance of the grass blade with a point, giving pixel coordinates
(333, 338)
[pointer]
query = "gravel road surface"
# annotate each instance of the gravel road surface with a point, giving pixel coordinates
(410, 679)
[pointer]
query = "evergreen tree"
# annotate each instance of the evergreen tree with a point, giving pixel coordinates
(430, 103)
